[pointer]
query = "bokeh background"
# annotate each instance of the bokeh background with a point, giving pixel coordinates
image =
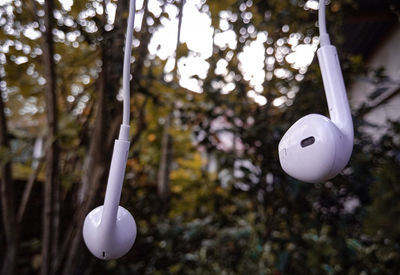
(215, 84)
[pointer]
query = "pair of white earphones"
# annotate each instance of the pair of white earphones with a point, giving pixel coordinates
(314, 149)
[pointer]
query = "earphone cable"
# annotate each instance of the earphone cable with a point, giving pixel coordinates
(127, 63)
(323, 34)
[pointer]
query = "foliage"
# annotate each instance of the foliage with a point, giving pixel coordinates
(231, 209)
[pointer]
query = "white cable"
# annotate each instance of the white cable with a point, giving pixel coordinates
(323, 35)
(321, 17)
(127, 63)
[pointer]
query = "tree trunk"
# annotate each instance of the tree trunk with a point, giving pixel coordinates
(96, 162)
(144, 38)
(7, 201)
(51, 188)
(95, 171)
(165, 162)
(178, 37)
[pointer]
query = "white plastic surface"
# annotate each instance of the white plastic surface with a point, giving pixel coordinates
(113, 244)
(332, 140)
(338, 104)
(109, 230)
(313, 163)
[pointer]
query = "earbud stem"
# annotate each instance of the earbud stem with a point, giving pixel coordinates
(115, 181)
(339, 109)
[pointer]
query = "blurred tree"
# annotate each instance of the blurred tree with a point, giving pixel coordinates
(203, 179)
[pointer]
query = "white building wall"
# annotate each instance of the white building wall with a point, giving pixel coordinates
(388, 57)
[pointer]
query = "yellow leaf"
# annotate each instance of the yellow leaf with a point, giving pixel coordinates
(151, 137)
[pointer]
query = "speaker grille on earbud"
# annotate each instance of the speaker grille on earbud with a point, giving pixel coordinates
(307, 141)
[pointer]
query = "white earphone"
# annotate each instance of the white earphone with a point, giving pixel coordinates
(109, 231)
(316, 148)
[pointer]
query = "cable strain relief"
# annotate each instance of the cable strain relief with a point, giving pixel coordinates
(124, 132)
(324, 39)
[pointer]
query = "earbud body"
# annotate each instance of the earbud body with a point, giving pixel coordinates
(112, 244)
(109, 231)
(311, 150)
(316, 148)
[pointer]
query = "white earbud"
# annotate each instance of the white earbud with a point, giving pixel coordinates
(109, 231)
(316, 148)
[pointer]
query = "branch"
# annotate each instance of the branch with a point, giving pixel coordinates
(51, 187)
(28, 190)
(142, 50)
(178, 37)
(141, 124)
(165, 162)
(383, 100)
(7, 199)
